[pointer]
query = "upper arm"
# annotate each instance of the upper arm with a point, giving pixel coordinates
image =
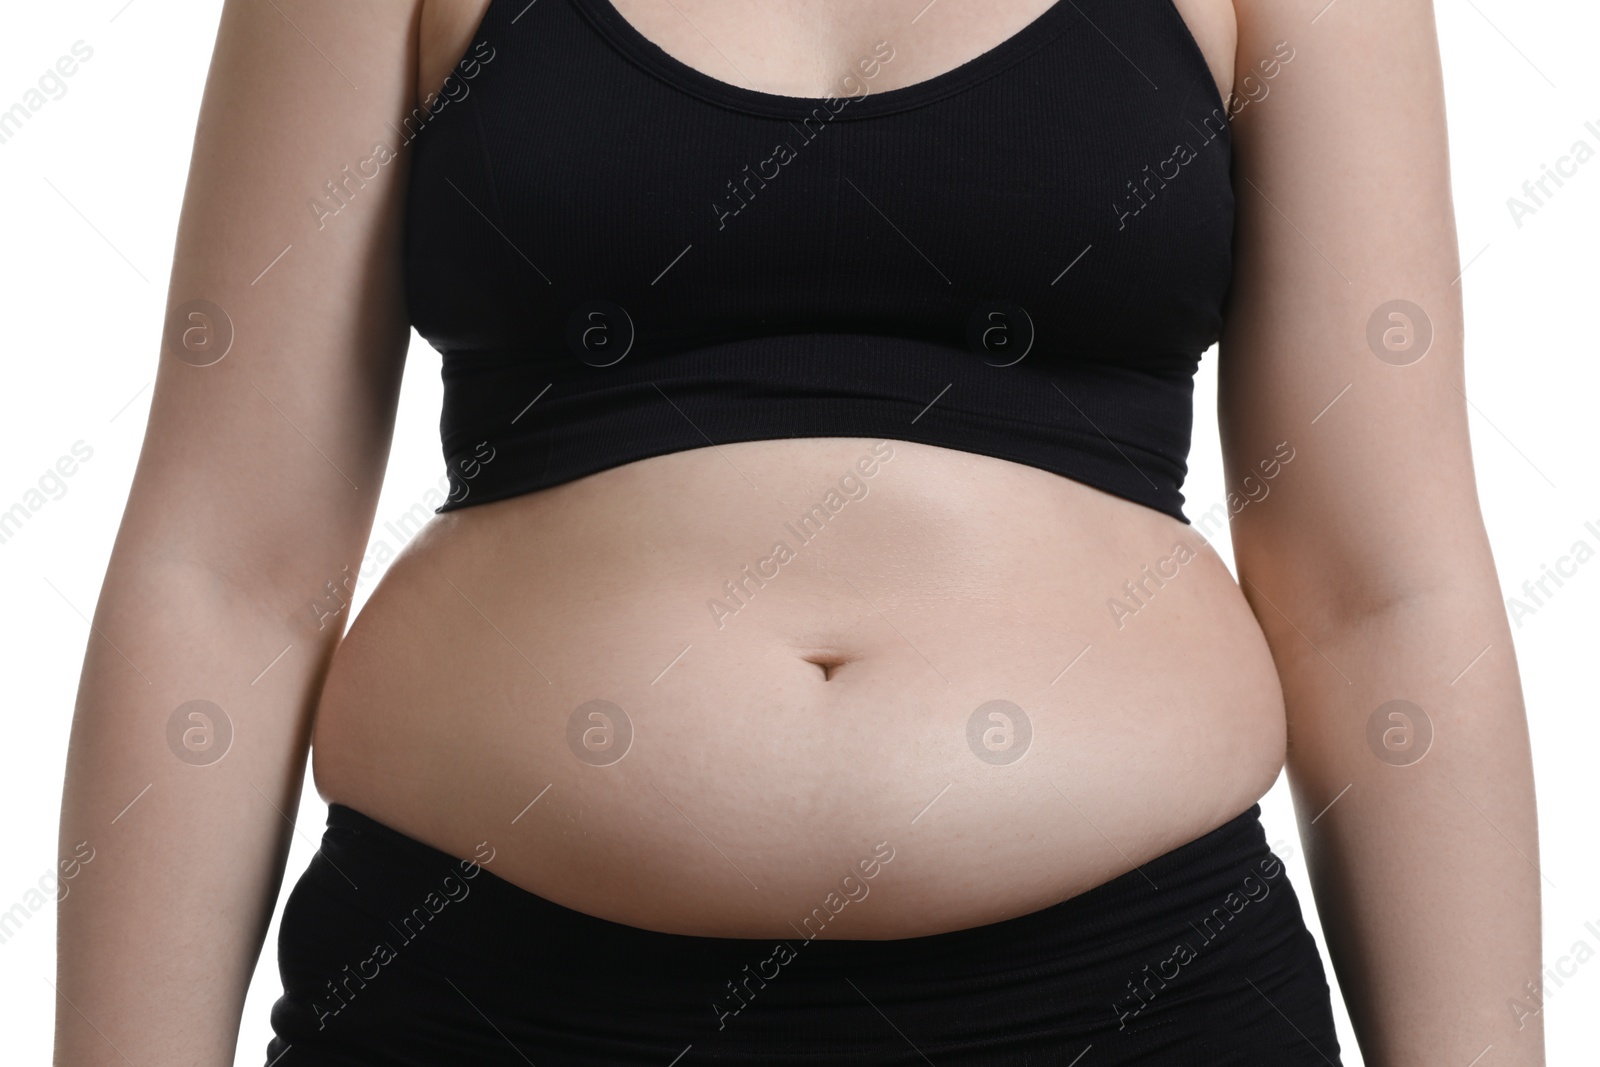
(275, 452)
(1343, 205)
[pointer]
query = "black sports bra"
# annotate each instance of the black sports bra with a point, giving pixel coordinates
(619, 256)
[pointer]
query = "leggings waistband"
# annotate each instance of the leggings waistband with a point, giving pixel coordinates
(1230, 863)
(391, 951)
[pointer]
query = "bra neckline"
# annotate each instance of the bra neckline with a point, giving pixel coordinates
(609, 22)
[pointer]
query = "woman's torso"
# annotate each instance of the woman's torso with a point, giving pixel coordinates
(653, 717)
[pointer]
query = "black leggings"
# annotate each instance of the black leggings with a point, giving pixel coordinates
(393, 953)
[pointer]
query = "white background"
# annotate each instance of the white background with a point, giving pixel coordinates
(92, 187)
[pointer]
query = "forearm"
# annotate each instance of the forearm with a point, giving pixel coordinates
(1425, 870)
(159, 934)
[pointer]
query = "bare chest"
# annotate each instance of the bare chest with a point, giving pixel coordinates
(803, 47)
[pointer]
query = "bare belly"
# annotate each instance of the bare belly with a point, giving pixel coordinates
(924, 705)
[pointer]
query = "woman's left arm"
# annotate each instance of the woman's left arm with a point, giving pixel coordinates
(1364, 554)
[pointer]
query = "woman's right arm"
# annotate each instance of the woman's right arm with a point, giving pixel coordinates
(255, 488)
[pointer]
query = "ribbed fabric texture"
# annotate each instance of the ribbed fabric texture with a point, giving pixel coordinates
(619, 257)
(392, 953)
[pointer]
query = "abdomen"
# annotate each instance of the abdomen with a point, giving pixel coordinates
(1014, 684)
